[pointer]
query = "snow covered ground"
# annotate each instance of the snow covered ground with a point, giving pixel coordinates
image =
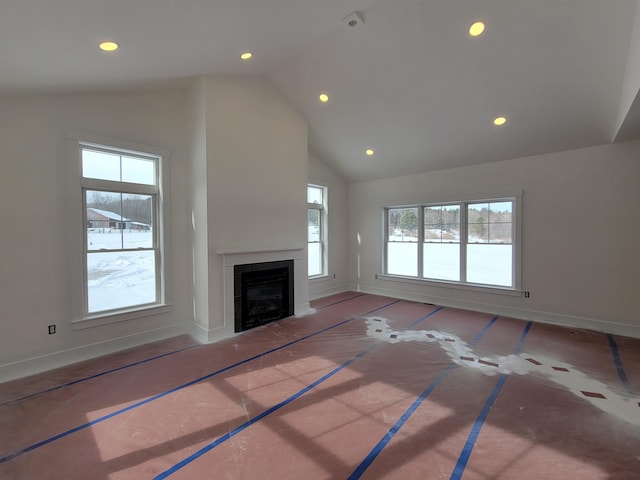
(120, 279)
(486, 263)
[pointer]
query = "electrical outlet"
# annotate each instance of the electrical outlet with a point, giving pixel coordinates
(52, 329)
(527, 294)
(376, 276)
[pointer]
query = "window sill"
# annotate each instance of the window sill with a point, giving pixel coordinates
(469, 287)
(120, 316)
(318, 278)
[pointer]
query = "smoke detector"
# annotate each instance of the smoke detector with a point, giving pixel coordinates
(353, 21)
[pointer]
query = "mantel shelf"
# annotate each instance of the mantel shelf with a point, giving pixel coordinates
(263, 250)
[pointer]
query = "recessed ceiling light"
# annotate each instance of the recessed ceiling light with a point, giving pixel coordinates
(108, 46)
(476, 29)
(246, 55)
(499, 121)
(324, 98)
(370, 152)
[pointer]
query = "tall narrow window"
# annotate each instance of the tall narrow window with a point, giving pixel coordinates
(441, 246)
(402, 241)
(489, 243)
(122, 254)
(316, 230)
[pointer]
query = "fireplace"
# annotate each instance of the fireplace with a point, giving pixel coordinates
(263, 293)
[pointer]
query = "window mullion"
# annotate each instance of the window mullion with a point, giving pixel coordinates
(138, 249)
(121, 223)
(463, 242)
(111, 186)
(385, 243)
(323, 262)
(420, 240)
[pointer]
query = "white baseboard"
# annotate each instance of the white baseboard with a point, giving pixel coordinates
(315, 293)
(204, 336)
(216, 334)
(519, 313)
(43, 363)
(31, 366)
(303, 309)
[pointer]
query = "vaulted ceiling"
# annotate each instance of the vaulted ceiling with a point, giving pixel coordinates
(408, 81)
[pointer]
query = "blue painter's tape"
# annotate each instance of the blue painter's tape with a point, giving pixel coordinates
(251, 421)
(373, 454)
(384, 441)
(180, 387)
(340, 301)
(484, 330)
(463, 459)
(618, 362)
(97, 375)
(257, 418)
(425, 317)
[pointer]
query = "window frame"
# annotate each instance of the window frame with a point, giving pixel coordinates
(77, 141)
(516, 251)
(462, 225)
(387, 242)
(321, 208)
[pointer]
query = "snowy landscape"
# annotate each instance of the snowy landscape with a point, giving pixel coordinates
(120, 279)
(486, 263)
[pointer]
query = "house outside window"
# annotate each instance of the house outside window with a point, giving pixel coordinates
(471, 242)
(317, 230)
(122, 234)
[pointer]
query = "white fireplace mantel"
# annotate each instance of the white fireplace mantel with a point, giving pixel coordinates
(231, 258)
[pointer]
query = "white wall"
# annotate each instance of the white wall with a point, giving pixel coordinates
(36, 203)
(239, 170)
(256, 167)
(580, 234)
(199, 205)
(631, 83)
(336, 280)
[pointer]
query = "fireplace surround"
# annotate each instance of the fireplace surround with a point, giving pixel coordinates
(231, 258)
(263, 293)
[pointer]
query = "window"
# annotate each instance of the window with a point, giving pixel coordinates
(402, 238)
(317, 231)
(463, 242)
(122, 230)
(441, 242)
(489, 249)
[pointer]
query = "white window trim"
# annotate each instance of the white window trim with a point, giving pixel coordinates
(515, 290)
(324, 229)
(75, 224)
(468, 287)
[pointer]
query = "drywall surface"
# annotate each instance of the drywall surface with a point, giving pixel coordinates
(238, 174)
(41, 205)
(336, 279)
(631, 83)
(579, 234)
(198, 202)
(256, 163)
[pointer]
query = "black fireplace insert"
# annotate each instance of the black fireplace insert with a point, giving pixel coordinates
(263, 293)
